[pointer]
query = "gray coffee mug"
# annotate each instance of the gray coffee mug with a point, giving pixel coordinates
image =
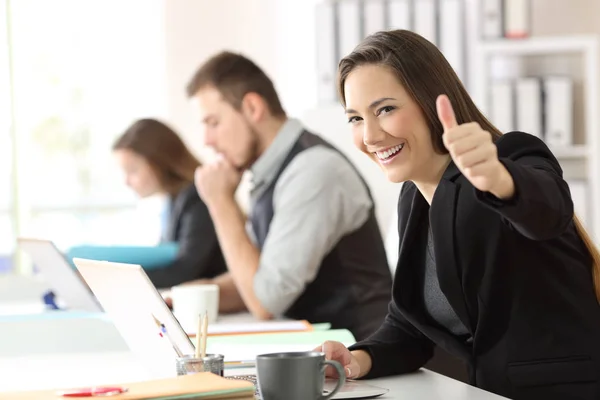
(295, 376)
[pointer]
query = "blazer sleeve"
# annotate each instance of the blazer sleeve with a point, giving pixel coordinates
(542, 207)
(397, 347)
(197, 242)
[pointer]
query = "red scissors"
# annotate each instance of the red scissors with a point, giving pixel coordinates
(93, 391)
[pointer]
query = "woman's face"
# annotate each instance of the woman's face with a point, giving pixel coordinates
(389, 126)
(139, 174)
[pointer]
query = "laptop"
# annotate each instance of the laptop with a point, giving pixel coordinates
(63, 279)
(132, 302)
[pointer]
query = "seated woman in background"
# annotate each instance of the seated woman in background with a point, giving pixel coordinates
(155, 160)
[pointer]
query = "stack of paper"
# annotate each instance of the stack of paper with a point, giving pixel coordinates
(257, 327)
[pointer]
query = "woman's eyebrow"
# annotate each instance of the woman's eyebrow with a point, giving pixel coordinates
(372, 105)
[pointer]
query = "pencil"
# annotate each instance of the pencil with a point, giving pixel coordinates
(204, 333)
(198, 337)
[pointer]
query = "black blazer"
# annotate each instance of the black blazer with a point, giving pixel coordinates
(199, 253)
(516, 273)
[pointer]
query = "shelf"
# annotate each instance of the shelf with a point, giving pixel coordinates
(570, 152)
(538, 45)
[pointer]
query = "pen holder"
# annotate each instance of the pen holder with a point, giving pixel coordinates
(191, 365)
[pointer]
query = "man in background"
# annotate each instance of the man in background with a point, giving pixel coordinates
(312, 248)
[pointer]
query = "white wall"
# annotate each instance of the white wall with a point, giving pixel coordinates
(197, 29)
(279, 35)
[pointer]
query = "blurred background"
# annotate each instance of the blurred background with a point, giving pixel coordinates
(75, 73)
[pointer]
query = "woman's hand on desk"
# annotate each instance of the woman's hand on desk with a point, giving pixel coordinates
(356, 363)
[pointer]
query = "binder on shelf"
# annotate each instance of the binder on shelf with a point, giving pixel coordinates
(426, 19)
(492, 21)
(349, 26)
(326, 52)
(373, 16)
(517, 19)
(452, 39)
(399, 14)
(558, 110)
(529, 115)
(502, 101)
(579, 194)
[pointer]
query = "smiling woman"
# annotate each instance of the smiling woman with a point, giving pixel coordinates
(493, 267)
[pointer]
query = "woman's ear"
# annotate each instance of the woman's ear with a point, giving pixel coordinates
(253, 107)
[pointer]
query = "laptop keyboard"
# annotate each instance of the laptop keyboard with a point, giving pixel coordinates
(248, 378)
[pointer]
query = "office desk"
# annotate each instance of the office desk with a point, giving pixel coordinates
(75, 370)
(427, 385)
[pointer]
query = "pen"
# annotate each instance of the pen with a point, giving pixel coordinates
(164, 331)
(93, 391)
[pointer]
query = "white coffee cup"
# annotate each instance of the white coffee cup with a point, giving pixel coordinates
(192, 301)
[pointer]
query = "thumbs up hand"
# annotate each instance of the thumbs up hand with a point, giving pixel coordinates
(474, 153)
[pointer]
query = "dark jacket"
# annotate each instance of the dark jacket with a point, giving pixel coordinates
(191, 227)
(516, 273)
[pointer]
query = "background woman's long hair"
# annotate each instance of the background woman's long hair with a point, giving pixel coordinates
(172, 161)
(425, 74)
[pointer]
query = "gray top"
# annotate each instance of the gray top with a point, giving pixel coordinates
(318, 199)
(436, 303)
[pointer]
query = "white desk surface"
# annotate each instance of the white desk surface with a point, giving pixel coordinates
(76, 370)
(46, 353)
(427, 385)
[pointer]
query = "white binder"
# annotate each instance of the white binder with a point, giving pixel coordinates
(558, 113)
(399, 14)
(528, 95)
(373, 16)
(426, 19)
(452, 40)
(492, 24)
(516, 18)
(349, 24)
(326, 52)
(579, 194)
(502, 100)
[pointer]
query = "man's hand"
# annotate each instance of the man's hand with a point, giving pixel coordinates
(217, 181)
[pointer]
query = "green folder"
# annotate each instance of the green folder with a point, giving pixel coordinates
(288, 338)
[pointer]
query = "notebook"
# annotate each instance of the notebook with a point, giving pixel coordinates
(204, 385)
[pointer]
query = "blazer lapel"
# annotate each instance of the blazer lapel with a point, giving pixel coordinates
(442, 216)
(405, 287)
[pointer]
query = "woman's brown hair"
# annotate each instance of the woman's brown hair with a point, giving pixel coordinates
(425, 74)
(171, 160)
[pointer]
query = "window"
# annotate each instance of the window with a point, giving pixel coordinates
(82, 72)
(7, 235)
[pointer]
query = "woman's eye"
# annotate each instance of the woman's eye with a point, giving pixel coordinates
(385, 110)
(353, 120)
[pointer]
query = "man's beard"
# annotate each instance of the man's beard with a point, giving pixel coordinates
(253, 151)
